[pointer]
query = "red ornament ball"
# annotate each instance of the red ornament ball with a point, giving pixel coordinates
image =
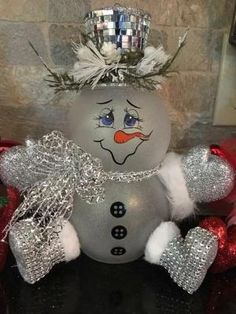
(226, 256)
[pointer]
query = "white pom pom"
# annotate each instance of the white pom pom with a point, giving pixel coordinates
(148, 51)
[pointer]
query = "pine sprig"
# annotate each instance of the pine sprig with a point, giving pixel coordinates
(62, 82)
(129, 60)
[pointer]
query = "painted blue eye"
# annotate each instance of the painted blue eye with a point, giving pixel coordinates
(130, 120)
(107, 119)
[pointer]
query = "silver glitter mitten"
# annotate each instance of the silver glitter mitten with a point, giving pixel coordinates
(35, 254)
(187, 261)
(208, 177)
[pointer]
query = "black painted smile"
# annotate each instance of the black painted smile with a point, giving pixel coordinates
(112, 155)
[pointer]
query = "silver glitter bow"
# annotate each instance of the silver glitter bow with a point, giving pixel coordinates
(51, 171)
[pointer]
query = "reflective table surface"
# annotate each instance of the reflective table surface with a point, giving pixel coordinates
(85, 286)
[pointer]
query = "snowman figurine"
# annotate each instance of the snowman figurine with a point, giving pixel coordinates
(112, 190)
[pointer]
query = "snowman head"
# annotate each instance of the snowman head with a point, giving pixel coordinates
(128, 129)
(114, 116)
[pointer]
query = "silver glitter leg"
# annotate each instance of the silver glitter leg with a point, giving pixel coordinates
(187, 261)
(33, 263)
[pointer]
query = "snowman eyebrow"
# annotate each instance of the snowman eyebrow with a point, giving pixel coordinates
(129, 102)
(104, 102)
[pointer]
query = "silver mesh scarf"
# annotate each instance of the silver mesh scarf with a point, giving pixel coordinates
(50, 171)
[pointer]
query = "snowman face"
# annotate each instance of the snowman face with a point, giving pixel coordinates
(128, 129)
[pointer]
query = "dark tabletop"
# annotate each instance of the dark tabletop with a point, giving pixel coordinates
(85, 286)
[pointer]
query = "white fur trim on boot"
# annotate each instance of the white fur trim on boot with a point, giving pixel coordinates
(172, 176)
(70, 242)
(159, 240)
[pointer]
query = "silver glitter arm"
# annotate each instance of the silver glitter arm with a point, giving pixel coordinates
(24, 166)
(208, 177)
(18, 166)
(52, 170)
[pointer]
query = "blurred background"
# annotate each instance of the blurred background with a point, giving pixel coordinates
(29, 107)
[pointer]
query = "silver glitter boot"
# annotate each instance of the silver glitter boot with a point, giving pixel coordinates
(35, 254)
(187, 261)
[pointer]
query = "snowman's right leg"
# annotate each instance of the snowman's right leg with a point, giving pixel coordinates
(187, 260)
(33, 263)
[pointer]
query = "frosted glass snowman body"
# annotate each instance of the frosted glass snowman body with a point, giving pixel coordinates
(129, 130)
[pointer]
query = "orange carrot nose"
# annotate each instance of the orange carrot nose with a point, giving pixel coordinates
(121, 137)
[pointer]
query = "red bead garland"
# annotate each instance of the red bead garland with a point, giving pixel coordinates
(6, 212)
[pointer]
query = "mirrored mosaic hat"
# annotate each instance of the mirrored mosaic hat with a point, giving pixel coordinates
(115, 50)
(128, 28)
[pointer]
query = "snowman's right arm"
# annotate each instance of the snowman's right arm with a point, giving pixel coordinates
(19, 168)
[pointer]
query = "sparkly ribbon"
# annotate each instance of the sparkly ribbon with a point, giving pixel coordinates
(50, 171)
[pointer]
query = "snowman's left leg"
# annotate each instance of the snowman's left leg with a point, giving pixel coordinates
(187, 260)
(35, 254)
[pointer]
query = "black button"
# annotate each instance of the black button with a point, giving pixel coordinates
(118, 251)
(118, 209)
(119, 232)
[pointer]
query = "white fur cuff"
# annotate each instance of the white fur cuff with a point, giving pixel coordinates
(159, 240)
(172, 177)
(70, 242)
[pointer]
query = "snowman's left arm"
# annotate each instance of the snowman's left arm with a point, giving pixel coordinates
(197, 176)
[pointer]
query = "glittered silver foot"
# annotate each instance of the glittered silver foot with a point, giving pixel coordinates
(35, 254)
(187, 261)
